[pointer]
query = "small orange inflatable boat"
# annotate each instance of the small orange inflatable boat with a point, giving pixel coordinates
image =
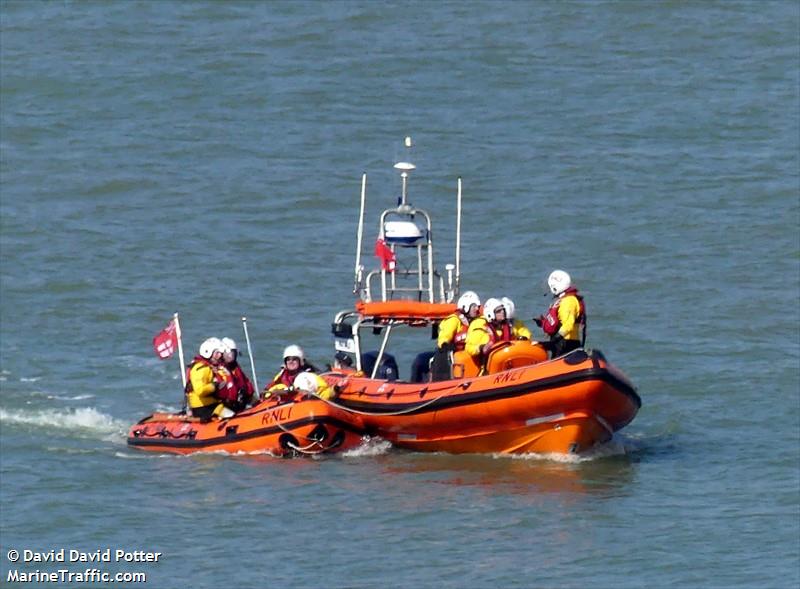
(305, 427)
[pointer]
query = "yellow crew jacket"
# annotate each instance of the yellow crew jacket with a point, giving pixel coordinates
(519, 331)
(477, 336)
(201, 376)
(569, 309)
(449, 329)
(324, 391)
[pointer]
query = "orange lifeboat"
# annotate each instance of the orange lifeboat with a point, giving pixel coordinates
(516, 400)
(566, 405)
(306, 427)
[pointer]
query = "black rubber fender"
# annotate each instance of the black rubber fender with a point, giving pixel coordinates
(318, 434)
(288, 443)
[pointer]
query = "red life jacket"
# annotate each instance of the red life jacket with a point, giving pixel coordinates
(460, 339)
(226, 389)
(284, 378)
(505, 335)
(550, 322)
(506, 332)
(240, 381)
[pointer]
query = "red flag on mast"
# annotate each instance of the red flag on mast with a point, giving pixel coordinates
(386, 255)
(165, 342)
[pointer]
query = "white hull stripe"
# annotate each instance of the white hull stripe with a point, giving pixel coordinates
(545, 419)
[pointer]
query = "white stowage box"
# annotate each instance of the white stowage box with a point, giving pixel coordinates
(401, 232)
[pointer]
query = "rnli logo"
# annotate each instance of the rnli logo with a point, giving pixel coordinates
(276, 415)
(511, 376)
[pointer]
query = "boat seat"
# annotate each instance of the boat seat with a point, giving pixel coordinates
(507, 355)
(464, 365)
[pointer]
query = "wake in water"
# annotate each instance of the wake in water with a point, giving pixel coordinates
(618, 445)
(84, 422)
(369, 447)
(52, 397)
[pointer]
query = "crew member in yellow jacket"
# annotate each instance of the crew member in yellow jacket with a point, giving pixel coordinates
(483, 331)
(310, 383)
(565, 320)
(305, 385)
(285, 383)
(207, 376)
(454, 328)
(452, 337)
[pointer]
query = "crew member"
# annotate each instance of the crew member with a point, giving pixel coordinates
(204, 381)
(518, 329)
(452, 337)
(241, 392)
(342, 363)
(565, 320)
(453, 329)
(310, 383)
(486, 331)
(294, 362)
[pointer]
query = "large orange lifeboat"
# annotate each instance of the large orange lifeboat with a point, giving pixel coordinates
(306, 427)
(516, 400)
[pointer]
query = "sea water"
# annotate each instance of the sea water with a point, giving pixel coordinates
(205, 158)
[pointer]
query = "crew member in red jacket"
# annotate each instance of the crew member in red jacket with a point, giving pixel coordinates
(565, 320)
(239, 395)
(294, 362)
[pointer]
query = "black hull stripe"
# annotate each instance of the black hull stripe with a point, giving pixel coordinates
(266, 431)
(506, 392)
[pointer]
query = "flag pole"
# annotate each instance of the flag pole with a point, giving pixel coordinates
(357, 285)
(458, 239)
(250, 353)
(180, 349)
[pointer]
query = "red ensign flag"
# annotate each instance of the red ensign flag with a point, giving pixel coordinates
(166, 341)
(385, 253)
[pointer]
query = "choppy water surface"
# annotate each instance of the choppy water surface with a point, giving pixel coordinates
(206, 158)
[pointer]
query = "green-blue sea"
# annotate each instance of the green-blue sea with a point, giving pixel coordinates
(205, 158)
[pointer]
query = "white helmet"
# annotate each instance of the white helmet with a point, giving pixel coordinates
(229, 344)
(466, 300)
(294, 351)
(558, 281)
(306, 382)
(208, 347)
(510, 307)
(490, 307)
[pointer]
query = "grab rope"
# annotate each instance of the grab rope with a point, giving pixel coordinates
(305, 449)
(283, 428)
(405, 411)
(286, 430)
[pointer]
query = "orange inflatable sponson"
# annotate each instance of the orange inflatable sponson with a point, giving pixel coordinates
(405, 309)
(307, 427)
(565, 406)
